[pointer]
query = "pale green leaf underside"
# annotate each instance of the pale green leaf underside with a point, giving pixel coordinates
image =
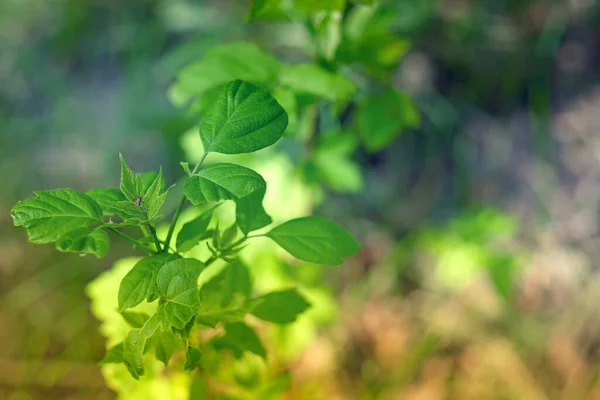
(222, 182)
(244, 119)
(52, 213)
(315, 239)
(85, 240)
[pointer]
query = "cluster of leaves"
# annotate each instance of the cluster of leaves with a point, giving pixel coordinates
(244, 118)
(347, 39)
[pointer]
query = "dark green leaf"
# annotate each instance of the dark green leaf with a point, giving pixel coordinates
(315, 239)
(135, 319)
(52, 213)
(281, 307)
(315, 80)
(114, 355)
(239, 337)
(177, 282)
(192, 358)
(141, 281)
(249, 212)
(381, 118)
(194, 231)
(131, 184)
(244, 119)
(106, 196)
(222, 182)
(85, 240)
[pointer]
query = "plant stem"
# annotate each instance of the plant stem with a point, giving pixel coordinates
(131, 240)
(179, 209)
(155, 236)
(211, 260)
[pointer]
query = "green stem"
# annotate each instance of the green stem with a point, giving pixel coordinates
(155, 236)
(180, 208)
(131, 240)
(211, 260)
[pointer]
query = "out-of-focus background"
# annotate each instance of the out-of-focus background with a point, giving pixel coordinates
(479, 274)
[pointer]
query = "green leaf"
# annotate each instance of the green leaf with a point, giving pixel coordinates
(229, 235)
(194, 231)
(239, 337)
(338, 172)
(381, 118)
(52, 213)
(282, 307)
(266, 9)
(192, 358)
(164, 344)
(154, 190)
(315, 80)
(140, 282)
(244, 119)
(222, 181)
(135, 319)
(186, 167)
(133, 350)
(85, 240)
(148, 179)
(131, 184)
(313, 6)
(223, 298)
(222, 64)
(315, 239)
(126, 210)
(177, 282)
(114, 355)
(249, 212)
(106, 196)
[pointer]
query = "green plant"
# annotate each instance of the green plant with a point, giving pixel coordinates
(244, 118)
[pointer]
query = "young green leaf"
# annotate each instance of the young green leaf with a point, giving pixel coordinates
(244, 119)
(106, 196)
(52, 213)
(382, 117)
(131, 184)
(192, 358)
(85, 240)
(314, 80)
(229, 235)
(282, 307)
(154, 190)
(186, 167)
(249, 212)
(239, 337)
(135, 319)
(114, 355)
(222, 181)
(193, 232)
(140, 282)
(177, 283)
(315, 239)
(126, 209)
